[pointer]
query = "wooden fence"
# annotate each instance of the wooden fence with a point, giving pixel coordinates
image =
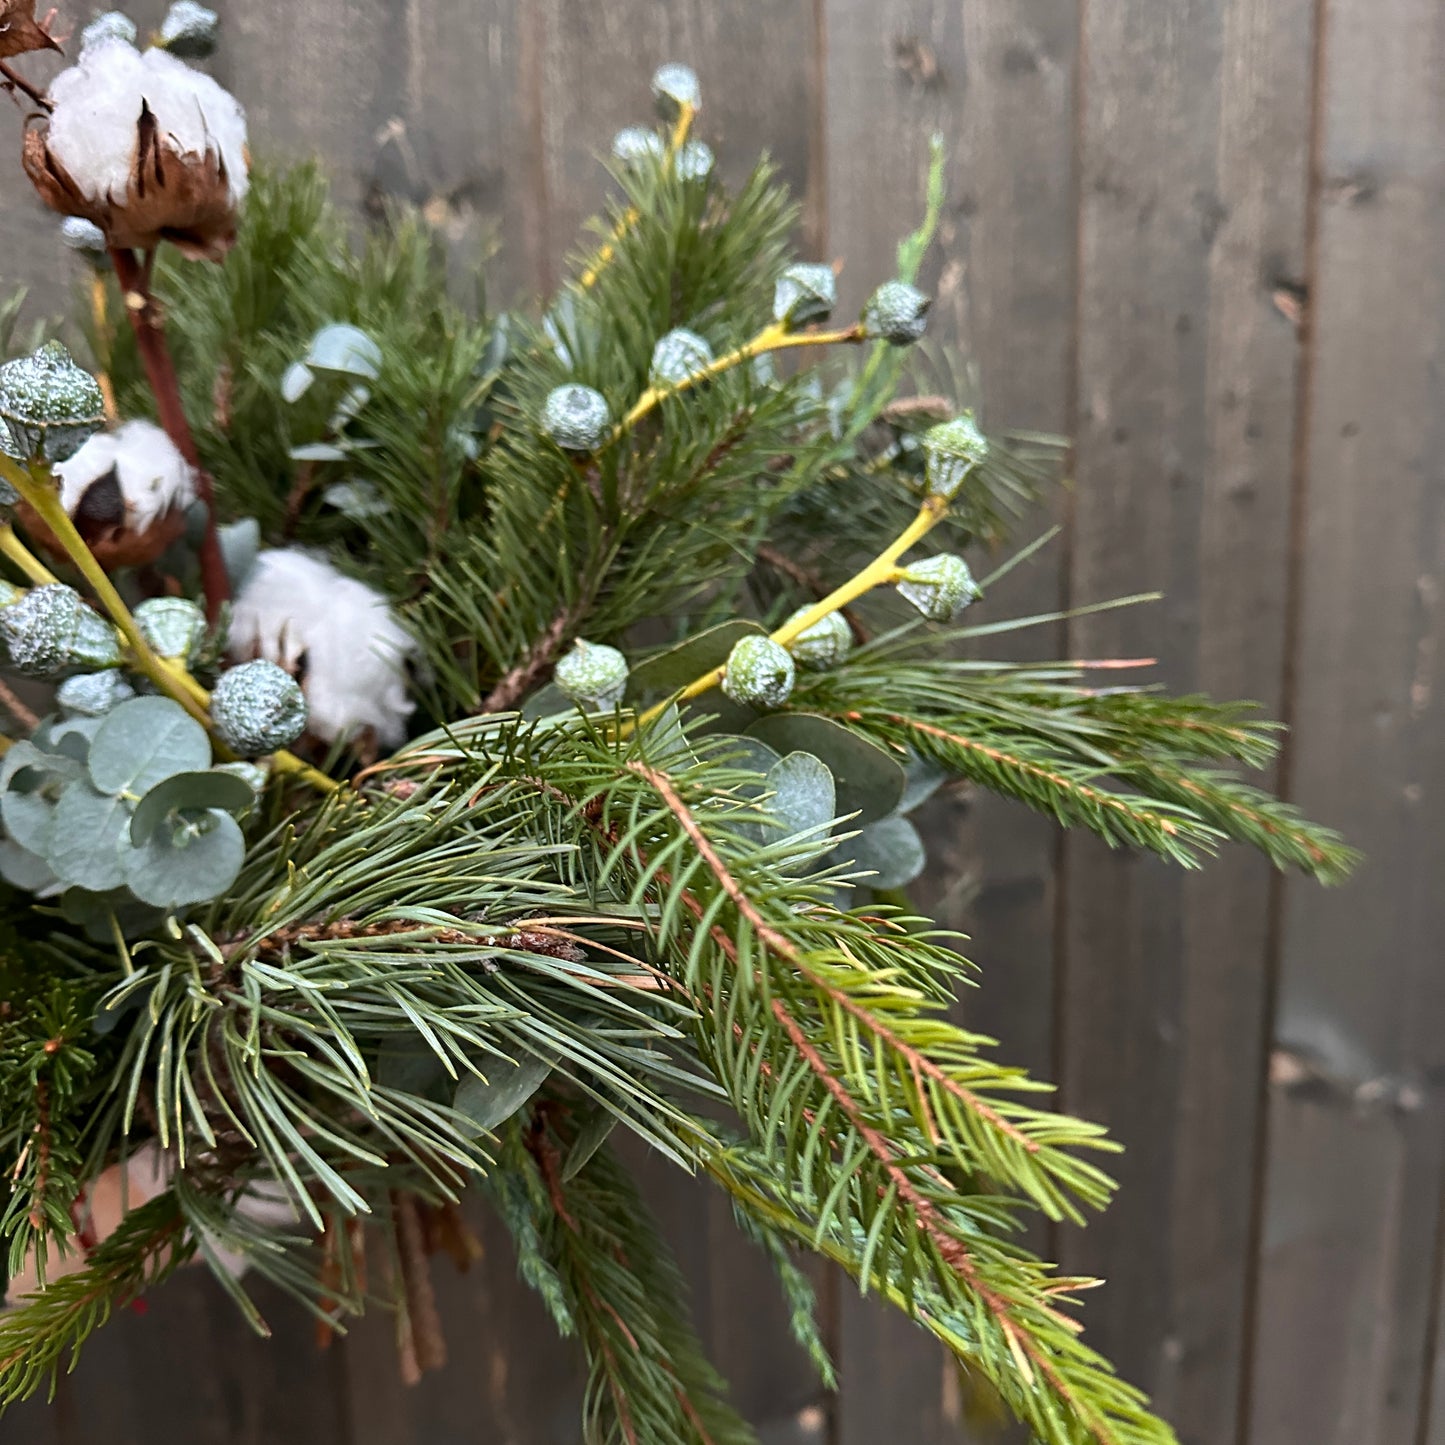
(1206, 237)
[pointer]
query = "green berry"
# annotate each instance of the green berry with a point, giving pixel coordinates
(93, 694)
(593, 676)
(806, 292)
(759, 673)
(825, 644)
(940, 587)
(677, 356)
(50, 629)
(174, 626)
(49, 405)
(673, 87)
(634, 144)
(577, 418)
(897, 313)
(258, 708)
(190, 31)
(952, 451)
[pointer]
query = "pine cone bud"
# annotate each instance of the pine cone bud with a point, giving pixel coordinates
(93, 694)
(110, 26)
(759, 673)
(673, 87)
(695, 161)
(48, 405)
(593, 676)
(806, 292)
(952, 450)
(635, 143)
(825, 644)
(174, 627)
(677, 356)
(897, 313)
(940, 587)
(577, 418)
(190, 31)
(257, 708)
(51, 629)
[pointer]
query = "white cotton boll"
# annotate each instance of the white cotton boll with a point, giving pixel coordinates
(337, 635)
(154, 478)
(99, 100)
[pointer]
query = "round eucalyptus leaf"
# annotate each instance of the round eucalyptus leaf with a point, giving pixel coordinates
(664, 741)
(670, 671)
(891, 850)
(86, 837)
(411, 1067)
(296, 381)
(549, 701)
(190, 792)
(804, 794)
(29, 819)
(143, 742)
(925, 778)
(240, 545)
(869, 782)
(737, 750)
(27, 763)
(186, 864)
(490, 1101)
(21, 868)
(590, 1138)
(345, 349)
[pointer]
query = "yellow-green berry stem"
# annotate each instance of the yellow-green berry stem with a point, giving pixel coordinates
(12, 547)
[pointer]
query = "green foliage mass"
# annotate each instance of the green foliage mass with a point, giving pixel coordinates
(533, 927)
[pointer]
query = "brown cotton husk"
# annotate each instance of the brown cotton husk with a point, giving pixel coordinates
(112, 539)
(183, 199)
(20, 32)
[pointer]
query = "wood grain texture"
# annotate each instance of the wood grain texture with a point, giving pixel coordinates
(1349, 1247)
(997, 82)
(1193, 139)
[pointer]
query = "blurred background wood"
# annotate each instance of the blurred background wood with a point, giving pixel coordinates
(1206, 237)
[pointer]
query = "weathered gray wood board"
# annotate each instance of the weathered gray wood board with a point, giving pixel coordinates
(1208, 237)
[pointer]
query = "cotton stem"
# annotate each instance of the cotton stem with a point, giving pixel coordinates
(149, 327)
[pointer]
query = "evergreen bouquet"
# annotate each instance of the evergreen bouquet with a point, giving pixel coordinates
(448, 744)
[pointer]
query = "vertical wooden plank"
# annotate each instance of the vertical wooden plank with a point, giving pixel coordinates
(756, 60)
(1350, 1223)
(509, 1380)
(1193, 141)
(998, 83)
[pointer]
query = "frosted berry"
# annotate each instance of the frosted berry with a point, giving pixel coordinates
(675, 86)
(759, 673)
(174, 626)
(257, 708)
(804, 293)
(577, 418)
(635, 143)
(952, 450)
(677, 356)
(93, 694)
(78, 234)
(50, 629)
(695, 161)
(897, 313)
(940, 587)
(48, 404)
(110, 26)
(190, 31)
(825, 644)
(593, 676)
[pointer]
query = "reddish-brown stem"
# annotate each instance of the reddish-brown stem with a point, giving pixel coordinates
(14, 78)
(149, 327)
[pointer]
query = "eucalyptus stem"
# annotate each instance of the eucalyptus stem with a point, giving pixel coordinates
(169, 676)
(588, 279)
(882, 571)
(773, 337)
(100, 320)
(12, 547)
